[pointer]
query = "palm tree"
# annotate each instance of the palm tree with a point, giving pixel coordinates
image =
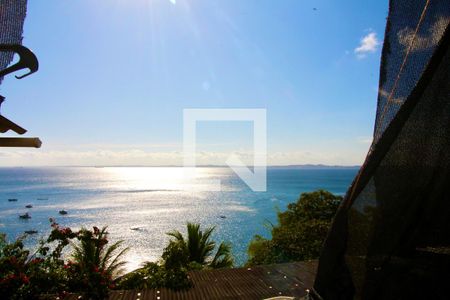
(92, 253)
(199, 247)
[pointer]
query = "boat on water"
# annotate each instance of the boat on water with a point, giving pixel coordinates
(25, 216)
(31, 231)
(12, 199)
(63, 212)
(29, 206)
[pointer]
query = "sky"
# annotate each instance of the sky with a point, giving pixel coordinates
(116, 75)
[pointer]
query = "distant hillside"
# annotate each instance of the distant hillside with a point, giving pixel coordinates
(312, 166)
(305, 166)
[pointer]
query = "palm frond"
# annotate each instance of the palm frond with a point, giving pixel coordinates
(114, 267)
(200, 247)
(223, 257)
(93, 252)
(107, 255)
(176, 234)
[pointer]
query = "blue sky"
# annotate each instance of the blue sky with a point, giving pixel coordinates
(115, 76)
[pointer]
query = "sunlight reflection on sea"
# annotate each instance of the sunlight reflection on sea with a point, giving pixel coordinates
(140, 204)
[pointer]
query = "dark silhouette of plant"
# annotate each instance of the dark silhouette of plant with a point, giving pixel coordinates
(195, 251)
(198, 248)
(153, 275)
(94, 267)
(28, 275)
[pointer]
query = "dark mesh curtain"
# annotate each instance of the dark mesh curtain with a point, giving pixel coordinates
(391, 237)
(12, 16)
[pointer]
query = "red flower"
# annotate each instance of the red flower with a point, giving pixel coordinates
(36, 260)
(24, 278)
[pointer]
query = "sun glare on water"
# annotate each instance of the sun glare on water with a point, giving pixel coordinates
(157, 179)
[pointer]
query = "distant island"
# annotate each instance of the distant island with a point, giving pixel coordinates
(313, 166)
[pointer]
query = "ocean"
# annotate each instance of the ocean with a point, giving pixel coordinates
(140, 204)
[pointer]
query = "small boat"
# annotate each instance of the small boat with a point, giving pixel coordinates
(63, 212)
(222, 217)
(12, 199)
(31, 231)
(25, 216)
(29, 206)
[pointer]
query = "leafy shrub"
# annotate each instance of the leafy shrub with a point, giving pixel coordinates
(194, 252)
(94, 265)
(26, 275)
(300, 232)
(153, 275)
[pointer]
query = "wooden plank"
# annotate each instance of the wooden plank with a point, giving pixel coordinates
(20, 142)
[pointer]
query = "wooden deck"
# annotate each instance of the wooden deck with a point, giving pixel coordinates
(290, 279)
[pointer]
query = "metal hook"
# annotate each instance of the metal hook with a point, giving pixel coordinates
(27, 60)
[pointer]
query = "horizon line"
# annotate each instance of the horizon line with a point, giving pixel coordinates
(181, 166)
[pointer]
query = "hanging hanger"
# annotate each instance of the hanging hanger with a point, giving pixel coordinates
(27, 60)
(6, 125)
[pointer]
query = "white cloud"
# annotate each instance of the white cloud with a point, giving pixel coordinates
(340, 151)
(365, 140)
(368, 44)
(122, 157)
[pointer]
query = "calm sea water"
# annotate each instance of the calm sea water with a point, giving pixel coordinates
(139, 205)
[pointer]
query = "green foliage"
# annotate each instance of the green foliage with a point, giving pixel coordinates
(193, 252)
(300, 231)
(153, 275)
(94, 265)
(170, 272)
(262, 252)
(175, 255)
(197, 249)
(26, 275)
(222, 258)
